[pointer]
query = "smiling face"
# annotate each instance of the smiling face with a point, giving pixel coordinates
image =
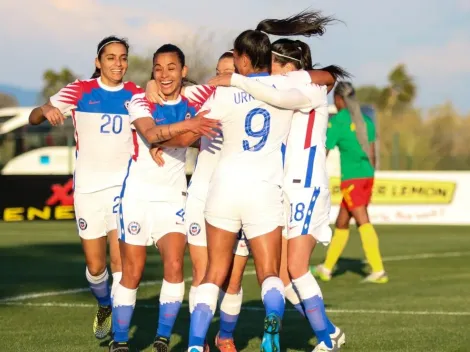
(112, 62)
(168, 72)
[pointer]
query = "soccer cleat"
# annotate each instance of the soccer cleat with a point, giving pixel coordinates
(321, 347)
(102, 322)
(118, 346)
(338, 337)
(320, 272)
(272, 326)
(379, 277)
(225, 345)
(161, 344)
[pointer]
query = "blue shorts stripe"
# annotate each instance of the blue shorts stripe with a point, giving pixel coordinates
(311, 161)
(283, 151)
(308, 216)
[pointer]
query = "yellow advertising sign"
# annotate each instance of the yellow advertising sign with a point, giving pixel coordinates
(396, 191)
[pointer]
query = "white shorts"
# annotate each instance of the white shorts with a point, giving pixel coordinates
(308, 212)
(96, 212)
(143, 222)
(196, 227)
(257, 209)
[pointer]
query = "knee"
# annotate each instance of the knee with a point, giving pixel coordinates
(296, 269)
(173, 270)
(96, 268)
(132, 274)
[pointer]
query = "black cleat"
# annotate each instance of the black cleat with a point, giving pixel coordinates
(161, 344)
(118, 346)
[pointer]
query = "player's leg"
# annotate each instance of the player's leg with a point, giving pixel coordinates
(134, 232)
(170, 239)
(90, 215)
(340, 236)
(369, 238)
(220, 244)
(231, 297)
(113, 238)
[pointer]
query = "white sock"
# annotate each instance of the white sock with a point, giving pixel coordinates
(117, 276)
(231, 303)
(291, 295)
(307, 286)
(124, 296)
(97, 279)
(170, 293)
(207, 294)
(192, 293)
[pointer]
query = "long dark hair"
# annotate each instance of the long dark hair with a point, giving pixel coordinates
(256, 44)
(100, 50)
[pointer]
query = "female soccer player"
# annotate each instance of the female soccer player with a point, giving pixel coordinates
(103, 148)
(245, 190)
(304, 175)
(354, 134)
(153, 198)
(231, 295)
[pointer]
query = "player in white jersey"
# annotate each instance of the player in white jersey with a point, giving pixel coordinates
(306, 195)
(245, 189)
(153, 198)
(103, 147)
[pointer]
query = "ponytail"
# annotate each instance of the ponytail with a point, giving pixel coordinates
(306, 55)
(346, 91)
(305, 23)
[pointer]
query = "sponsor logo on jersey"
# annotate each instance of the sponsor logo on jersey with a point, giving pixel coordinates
(133, 228)
(82, 224)
(194, 229)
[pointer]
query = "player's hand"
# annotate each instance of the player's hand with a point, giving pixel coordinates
(222, 80)
(153, 93)
(204, 126)
(157, 155)
(53, 115)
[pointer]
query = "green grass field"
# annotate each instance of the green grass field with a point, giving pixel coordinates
(424, 307)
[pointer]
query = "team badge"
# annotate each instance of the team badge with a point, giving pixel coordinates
(133, 228)
(126, 104)
(194, 229)
(188, 116)
(82, 224)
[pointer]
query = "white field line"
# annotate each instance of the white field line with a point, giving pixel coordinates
(250, 309)
(252, 272)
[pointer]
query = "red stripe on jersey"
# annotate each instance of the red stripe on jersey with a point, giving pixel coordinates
(136, 145)
(308, 135)
(133, 88)
(75, 128)
(198, 95)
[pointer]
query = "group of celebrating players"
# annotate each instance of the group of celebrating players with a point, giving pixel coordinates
(259, 186)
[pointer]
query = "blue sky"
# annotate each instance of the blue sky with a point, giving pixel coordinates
(431, 37)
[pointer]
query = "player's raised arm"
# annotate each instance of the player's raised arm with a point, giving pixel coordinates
(141, 117)
(292, 99)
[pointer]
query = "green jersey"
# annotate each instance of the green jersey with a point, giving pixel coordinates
(342, 133)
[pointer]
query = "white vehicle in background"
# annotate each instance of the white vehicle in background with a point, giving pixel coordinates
(47, 150)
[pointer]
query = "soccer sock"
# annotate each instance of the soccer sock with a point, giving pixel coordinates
(310, 294)
(370, 244)
(338, 242)
(293, 298)
(171, 298)
(99, 287)
(192, 293)
(205, 304)
(117, 276)
(230, 307)
(123, 308)
(272, 294)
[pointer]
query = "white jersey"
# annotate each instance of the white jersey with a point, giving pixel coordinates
(145, 179)
(254, 132)
(305, 156)
(102, 131)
